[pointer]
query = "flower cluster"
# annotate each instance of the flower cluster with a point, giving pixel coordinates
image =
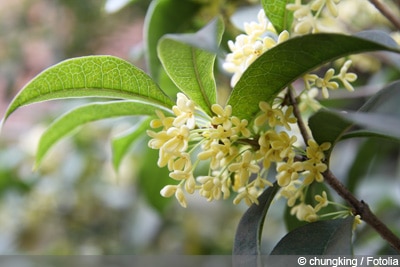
(307, 15)
(240, 153)
(239, 156)
(258, 37)
(328, 82)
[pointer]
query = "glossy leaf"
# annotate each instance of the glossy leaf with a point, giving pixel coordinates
(331, 237)
(382, 124)
(162, 18)
(332, 126)
(278, 14)
(328, 126)
(361, 163)
(385, 101)
(192, 67)
(121, 143)
(92, 76)
(278, 67)
(248, 233)
(89, 113)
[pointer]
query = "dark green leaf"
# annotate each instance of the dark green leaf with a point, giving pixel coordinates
(248, 233)
(378, 116)
(332, 126)
(191, 67)
(383, 124)
(331, 237)
(165, 16)
(361, 163)
(277, 13)
(328, 126)
(122, 142)
(92, 76)
(386, 101)
(89, 113)
(278, 67)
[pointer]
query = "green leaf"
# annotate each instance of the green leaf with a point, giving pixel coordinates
(332, 126)
(92, 76)
(278, 67)
(162, 18)
(121, 143)
(89, 113)
(362, 163)
(328, 126)
(385, 101)
(192, 67)
(277, 13)
(379, 116)
(331, 237)
(248, 233)
(383, 124)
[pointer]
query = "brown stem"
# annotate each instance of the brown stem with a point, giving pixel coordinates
(361, 208)
(300, 122)
(385, 10)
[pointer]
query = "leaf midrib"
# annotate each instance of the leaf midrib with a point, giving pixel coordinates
(198, 78)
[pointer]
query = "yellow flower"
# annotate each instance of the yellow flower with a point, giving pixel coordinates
(347, 77)
(357, 221)
(240, 127)
(314, 172)
(326, 83)
(249, 46)
(159, 139)
(292, 192)
(330, 4)
(184, 111)
(287, 117)
(213, 187)
(322, 201)
(288, 171)
(223, 116)
(179, 139)
(249, 195)
(268, 114)
(304, 212)
(245, 167)
(168, 190)
(162, 121)
(284, 144)
(315, 153)
(180, 196)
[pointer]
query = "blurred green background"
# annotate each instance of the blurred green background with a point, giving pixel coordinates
(75, 203)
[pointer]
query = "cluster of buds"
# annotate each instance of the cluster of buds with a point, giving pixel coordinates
(239, 156)
(258, 37)
(307, 15)
(239, 153)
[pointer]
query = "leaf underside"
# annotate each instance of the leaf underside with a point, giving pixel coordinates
(331, 237)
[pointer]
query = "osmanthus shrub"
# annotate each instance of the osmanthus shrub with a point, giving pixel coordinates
(271, 138)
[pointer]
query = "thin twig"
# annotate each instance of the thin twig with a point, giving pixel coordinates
(385, 10)
(361, 208)
(300, 122)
